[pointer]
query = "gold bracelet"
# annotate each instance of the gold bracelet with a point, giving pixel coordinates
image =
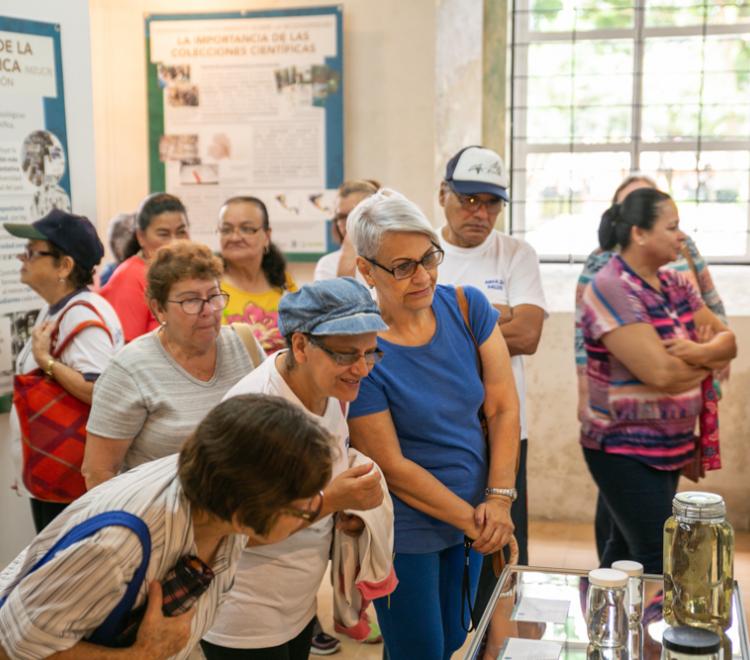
(49, 368)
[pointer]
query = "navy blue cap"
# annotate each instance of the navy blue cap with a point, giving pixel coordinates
(73, 234)
(475, 170)
(341, 306)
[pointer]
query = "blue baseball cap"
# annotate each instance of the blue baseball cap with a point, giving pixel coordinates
(475, 170)
(341, 306)
(73, 234)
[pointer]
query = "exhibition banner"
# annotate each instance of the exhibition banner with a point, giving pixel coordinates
(249, 103)
(34, 169)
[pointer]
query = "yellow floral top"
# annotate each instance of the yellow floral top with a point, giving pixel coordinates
(260, 310)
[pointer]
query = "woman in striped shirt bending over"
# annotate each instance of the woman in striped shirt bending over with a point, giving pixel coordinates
(650, 343)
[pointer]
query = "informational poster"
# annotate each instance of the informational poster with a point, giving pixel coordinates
(34, 169)
(249, 103)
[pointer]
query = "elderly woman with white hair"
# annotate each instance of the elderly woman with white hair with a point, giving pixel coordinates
(420, 415)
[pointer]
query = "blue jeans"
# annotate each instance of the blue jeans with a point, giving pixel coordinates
(421, 619)
(639, 501)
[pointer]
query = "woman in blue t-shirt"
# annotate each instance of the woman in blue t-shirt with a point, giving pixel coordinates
(417, 416)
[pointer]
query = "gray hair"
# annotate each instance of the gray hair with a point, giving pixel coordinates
(385, 211)
(121, 230)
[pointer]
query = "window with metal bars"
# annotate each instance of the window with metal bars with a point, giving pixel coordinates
(603, 88)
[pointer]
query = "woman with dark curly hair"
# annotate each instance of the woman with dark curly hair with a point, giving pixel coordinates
(157, 389)
(255, 275)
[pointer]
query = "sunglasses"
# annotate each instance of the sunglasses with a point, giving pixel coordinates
(348, 359)
(472, 203)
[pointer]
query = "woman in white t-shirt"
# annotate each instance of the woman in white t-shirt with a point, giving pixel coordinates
(58, 264)
(331, 329)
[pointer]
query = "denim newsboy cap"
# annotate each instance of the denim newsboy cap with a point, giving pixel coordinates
(340, 306)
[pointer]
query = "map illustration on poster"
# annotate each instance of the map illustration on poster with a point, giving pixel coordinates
(34, 168)
(249, 103)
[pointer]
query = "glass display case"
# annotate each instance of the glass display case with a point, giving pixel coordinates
(538, 613)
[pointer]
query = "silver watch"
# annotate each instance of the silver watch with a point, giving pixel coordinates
(512, 493)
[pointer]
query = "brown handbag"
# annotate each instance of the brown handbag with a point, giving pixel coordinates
(499, 561)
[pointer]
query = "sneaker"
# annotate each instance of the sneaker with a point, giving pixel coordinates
(324, 644)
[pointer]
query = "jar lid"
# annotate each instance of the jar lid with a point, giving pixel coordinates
(691, 641)
(608, 577)
(696, 505)
(631, 568)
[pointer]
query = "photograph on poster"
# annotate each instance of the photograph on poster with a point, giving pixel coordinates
(261, 92)
(42, 158)
(178, 147)
(198, 174)
(21, 324)
(48, 197)
(169, 75)
(182, 94)
(36, 168)
(315, 83)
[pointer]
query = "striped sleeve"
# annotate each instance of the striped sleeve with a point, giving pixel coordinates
(609, 303)
(118, 408)
(36, 619)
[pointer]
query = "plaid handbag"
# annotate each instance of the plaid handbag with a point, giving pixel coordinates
(53, 425)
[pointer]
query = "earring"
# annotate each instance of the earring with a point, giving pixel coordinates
(61, 279)
(266, 249)
(163, 324)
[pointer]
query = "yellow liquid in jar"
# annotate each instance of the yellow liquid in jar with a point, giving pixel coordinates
(698, 573)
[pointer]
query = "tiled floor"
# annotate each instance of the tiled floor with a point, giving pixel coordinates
(553, 544)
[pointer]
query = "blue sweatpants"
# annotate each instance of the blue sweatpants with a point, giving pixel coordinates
(421, 619)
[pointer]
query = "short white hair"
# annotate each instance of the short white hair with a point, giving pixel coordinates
(383, 212)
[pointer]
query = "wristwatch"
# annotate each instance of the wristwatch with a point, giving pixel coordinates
(512, 493)
(49, 366)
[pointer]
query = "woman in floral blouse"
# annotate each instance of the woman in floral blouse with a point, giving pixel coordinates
(255, 275)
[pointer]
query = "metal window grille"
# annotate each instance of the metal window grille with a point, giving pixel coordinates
(604, 88)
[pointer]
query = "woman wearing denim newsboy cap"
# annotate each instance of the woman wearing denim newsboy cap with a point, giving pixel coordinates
(330, 329)
(418, 416)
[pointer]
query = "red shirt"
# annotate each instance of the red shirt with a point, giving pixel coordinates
(126, 292)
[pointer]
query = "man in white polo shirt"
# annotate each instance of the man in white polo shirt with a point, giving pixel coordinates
(473, 194)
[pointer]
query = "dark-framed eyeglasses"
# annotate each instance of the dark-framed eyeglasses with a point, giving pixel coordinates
(472, 203)
(406, 269)
(309, 515)
(348, 359)
(216, 303)
(244, 230)
(28, 254)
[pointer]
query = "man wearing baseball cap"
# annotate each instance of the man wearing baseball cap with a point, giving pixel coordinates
(473, 195)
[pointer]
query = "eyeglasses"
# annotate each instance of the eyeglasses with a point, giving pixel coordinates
(310, 515)
(348, 359)
(28, 254)
(215, 303)
(472, 203)
(406, 269)
(244, 230)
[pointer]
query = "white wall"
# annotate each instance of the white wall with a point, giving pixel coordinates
(73, 17)
(389, 92)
